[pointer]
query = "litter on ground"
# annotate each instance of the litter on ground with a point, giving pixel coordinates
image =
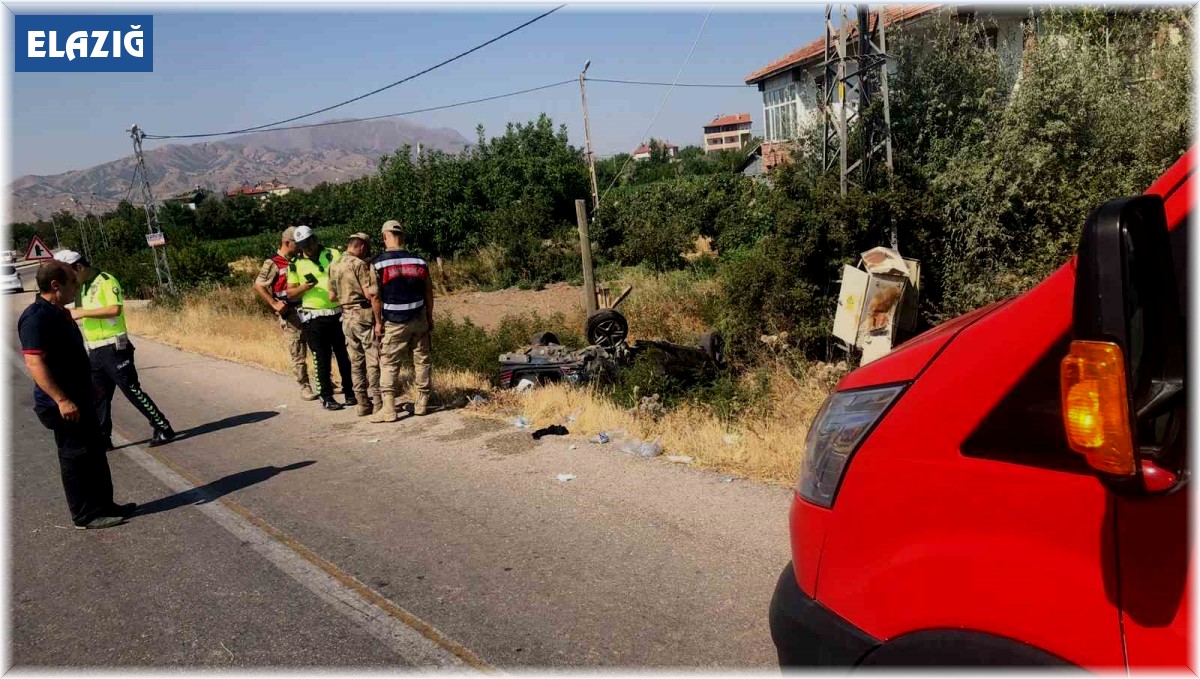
(681, 459)
(642, 448)
(552, 430)
(566, 477)
(520, 423)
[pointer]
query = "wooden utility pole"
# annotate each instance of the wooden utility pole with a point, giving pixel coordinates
(585, 248)
(587, 133)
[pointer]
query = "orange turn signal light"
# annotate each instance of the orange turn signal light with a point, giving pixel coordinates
(1096, 406)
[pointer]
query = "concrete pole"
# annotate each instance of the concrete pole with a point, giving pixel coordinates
(587, 133)
(585, 248)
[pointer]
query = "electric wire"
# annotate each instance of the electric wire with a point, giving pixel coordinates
(649, 82)
(361, 96)
(657, 113)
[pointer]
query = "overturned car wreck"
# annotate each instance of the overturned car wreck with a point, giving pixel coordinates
(546, 360)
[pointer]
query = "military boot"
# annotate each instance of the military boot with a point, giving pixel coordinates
(363, 407)
(387, 413)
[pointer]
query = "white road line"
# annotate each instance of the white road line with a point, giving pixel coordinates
(408, 643)
(414, 646)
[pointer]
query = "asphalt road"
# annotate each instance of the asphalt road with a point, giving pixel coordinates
(277, 534)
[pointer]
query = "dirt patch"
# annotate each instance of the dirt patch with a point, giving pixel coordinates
(512, 443)
(486, 309)
(472, 428)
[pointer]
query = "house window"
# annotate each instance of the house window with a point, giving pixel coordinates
(779, 110)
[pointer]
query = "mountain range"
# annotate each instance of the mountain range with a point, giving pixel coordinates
(301, 158)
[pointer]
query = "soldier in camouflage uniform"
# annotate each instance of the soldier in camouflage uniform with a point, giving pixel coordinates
(352, 285)
(271, 286)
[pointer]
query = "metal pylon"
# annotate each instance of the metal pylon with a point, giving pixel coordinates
(856, 71)
(162, 269)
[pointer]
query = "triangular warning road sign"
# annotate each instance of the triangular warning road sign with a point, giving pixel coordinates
(37, 250)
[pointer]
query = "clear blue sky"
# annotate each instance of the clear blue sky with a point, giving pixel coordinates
(222, 71)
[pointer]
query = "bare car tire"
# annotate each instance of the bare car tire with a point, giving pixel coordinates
(606, 328)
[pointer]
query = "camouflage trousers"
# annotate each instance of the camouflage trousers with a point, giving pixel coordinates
(358, 325)
(398, 338)
(297, 345)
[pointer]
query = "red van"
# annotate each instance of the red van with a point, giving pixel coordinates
(1010, 487)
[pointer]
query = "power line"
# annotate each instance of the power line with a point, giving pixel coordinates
(418, 110)
(660, 109)
(361, 96)
(648, 82)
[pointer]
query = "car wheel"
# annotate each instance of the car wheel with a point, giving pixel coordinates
(607, 328)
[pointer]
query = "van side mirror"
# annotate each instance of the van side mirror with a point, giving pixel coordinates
(1122, 381)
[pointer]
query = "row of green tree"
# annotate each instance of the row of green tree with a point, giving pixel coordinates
(996, 168)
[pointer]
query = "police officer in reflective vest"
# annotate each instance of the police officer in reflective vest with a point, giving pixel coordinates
(271, 286)
(101, 311)
(403, 318)
(321, 317)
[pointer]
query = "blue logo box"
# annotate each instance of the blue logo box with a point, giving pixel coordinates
(84, 43)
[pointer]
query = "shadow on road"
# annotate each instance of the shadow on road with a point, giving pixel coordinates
(227, 423)
(216, 489)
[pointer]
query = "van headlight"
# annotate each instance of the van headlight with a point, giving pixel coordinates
(837, 431)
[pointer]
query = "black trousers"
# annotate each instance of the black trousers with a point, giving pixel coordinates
(83, 463)
(324, 336)
(112, 368)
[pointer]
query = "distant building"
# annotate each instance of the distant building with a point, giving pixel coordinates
(261, 190)
(727, 133)
(189, 199)
(643, 151)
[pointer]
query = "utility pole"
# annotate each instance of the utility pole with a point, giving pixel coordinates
(587, 133)
(154, 234)
(868, 77)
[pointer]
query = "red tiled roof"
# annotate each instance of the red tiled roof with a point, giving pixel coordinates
(892, 15)
(735, 119)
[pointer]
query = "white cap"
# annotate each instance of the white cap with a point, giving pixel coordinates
(67, 256)
(302, 233)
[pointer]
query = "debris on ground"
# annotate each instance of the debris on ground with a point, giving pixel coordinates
(726, 479)
(566, 477)
(370, 440)
(651, 406)
(552, 430)
(281, 406)
(680, 459)
(520, 422)
(525, 385)
(642, 448)
(478, 399)
(600, 438)
(572, 448)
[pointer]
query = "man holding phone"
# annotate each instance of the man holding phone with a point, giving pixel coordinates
(308, 281)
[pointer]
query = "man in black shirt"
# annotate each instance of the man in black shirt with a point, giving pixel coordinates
(64, 398)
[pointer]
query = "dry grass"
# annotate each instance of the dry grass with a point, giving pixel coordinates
(765, 444)
(227, 323)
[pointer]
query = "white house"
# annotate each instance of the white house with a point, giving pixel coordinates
(791, 86)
